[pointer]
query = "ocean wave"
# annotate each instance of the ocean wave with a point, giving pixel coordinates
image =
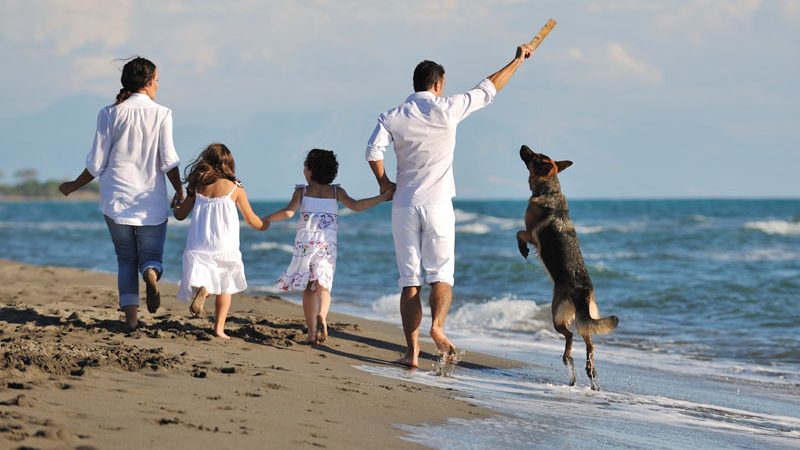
(474, 223)
(474, 228)
(54, 226)
(779, 227)
(503, 314)
(761, 254)
(267, 246)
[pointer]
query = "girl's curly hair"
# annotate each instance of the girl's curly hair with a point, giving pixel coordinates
(323, 165)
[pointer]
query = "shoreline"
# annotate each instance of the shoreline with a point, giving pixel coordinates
(72, 376)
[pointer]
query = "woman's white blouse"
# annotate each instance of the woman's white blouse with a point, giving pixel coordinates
(132, 150)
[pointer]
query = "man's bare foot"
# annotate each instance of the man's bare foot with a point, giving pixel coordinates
(443, 345)
(221, 334)
(408, 360)
(153, 296)
(322, 329)
(196, 308)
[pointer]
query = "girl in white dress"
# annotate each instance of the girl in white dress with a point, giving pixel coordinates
(212, 262)
(314, 260)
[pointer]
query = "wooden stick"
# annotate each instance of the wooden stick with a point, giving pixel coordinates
(543, 33)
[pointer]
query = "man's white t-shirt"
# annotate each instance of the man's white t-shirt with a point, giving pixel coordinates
(423, 131)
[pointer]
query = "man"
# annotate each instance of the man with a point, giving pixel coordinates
(423, 131)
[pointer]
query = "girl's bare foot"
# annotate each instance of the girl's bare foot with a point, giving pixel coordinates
(221, 334)
(322, 329)
(311, 338)
(196, 308)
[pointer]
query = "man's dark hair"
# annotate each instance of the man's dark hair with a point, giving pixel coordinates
(426, 74)
(323, 165)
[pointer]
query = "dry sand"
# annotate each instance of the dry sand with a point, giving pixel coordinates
(71, 377)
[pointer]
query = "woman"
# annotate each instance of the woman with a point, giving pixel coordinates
(132, 150)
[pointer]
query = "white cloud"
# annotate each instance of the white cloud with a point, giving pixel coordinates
(63, 26)
(623, 65)
(612, 63)
(790, 10)
(697, 17)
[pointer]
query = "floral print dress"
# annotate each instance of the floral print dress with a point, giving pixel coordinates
(314, 257)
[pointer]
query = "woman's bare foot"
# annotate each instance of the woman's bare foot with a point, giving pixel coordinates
(322, 329)
(131, 316)
(196, 308)
(151, 285)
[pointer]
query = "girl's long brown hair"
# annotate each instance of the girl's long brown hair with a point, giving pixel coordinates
(214, 162)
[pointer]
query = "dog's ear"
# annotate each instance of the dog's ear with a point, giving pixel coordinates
(526, 154)
(562, 165)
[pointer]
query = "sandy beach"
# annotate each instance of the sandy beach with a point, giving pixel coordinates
(73, 378)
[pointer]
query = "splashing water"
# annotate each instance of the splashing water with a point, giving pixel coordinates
(445, 365)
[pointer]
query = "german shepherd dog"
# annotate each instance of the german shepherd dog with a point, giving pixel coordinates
(549, 229)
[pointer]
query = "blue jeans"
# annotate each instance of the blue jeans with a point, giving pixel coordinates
(138, 248)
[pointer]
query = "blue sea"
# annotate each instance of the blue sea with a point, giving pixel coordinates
(707, 353)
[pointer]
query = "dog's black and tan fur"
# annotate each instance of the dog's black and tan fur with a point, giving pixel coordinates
(549, 229)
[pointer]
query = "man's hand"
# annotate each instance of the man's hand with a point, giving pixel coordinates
(386, 185)
(524, 52)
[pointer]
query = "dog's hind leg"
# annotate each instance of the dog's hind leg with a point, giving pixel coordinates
(591, 371)
(567, 356)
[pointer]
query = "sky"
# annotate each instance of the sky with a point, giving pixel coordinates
(649, 99)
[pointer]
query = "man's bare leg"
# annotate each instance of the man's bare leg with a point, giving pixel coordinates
(411, 312)
(441, 297)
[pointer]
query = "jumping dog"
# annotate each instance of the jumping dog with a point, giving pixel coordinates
(549, 229)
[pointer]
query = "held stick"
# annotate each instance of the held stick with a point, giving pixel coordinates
(543, 33)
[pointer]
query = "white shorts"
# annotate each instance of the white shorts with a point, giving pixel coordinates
(424, 239)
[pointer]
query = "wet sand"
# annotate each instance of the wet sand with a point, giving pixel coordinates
(71, 376)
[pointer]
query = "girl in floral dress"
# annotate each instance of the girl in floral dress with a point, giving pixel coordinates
(314, 260)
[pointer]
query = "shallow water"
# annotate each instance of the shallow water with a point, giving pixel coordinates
(706, 355)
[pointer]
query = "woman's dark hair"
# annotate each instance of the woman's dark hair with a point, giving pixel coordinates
(323, 165)
(136, 74)
(214, 162)
(426, 74)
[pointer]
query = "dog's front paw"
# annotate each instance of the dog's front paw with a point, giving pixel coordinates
(523, 249)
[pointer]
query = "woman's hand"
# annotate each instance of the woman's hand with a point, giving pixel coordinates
(67, 187)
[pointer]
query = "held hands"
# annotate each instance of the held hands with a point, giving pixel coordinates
(264, 224)
(524, 52)
(177, 199)
(387, 191)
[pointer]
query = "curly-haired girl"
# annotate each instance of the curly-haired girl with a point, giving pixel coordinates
(314, 259)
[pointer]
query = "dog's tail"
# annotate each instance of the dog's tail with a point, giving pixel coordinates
(588, 324)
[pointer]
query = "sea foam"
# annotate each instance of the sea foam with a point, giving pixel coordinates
(779, 227)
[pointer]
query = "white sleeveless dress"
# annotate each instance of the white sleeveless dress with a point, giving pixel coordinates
(212, 258)
(314, 257)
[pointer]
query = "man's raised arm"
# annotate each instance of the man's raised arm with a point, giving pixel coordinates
(501, 77)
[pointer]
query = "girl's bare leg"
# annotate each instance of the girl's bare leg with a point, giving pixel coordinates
(310, 311)
(324, 302)
(223, 304)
